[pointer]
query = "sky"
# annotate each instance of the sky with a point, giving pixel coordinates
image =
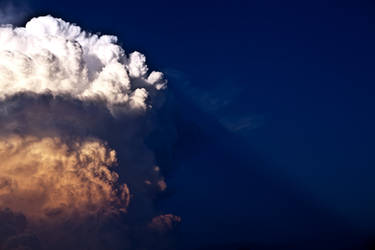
(272, 110)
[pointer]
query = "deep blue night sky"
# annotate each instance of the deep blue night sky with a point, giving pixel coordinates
(274, 113)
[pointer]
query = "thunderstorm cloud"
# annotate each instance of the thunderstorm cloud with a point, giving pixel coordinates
(75, 114)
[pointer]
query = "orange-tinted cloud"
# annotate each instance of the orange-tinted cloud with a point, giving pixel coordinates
(164, 223)
(48, 178)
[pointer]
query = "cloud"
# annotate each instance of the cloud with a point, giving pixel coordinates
(164, 223)
(83, 128)
(48, 178)
(50, 55)
(13, 233)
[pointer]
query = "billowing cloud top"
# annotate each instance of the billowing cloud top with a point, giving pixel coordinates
(50, 55)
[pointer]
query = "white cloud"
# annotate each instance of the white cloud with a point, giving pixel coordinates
(51, 55)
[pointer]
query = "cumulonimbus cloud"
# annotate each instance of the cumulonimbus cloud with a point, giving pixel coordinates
(75, 112)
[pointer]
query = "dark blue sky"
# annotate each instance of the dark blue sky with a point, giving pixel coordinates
(283, 87)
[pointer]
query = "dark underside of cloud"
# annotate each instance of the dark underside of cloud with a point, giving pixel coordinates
(59, 126)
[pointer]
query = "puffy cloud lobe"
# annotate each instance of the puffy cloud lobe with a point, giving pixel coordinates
(164, 223)
(51, 55)
(48, 178)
